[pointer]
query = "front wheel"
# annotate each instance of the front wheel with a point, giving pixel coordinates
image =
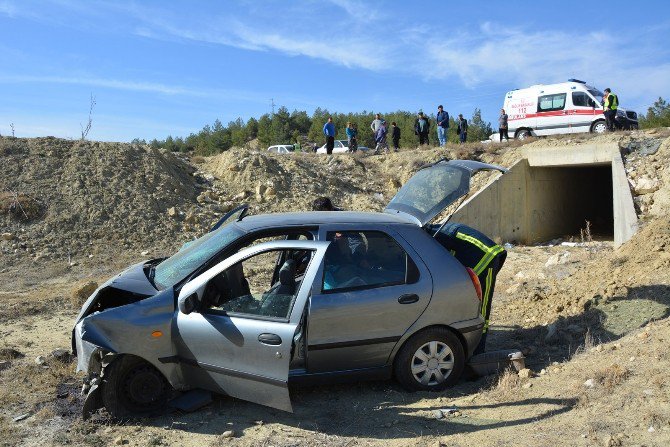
(522, 134)
(431, 360)
(599, 127)
(133, 387)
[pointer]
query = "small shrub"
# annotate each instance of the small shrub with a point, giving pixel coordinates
(612, 376)
(21, 206)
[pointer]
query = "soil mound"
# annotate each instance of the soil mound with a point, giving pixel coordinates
(79, 193)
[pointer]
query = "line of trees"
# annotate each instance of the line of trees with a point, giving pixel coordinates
(284, 127)
(658, 115)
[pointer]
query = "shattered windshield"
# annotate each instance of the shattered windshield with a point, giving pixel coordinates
(193, 255)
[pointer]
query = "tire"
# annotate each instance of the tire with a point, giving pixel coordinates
(417, 365)
(522, 134)
(599, 127)
(134, 388)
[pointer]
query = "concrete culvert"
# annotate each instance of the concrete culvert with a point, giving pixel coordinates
(553, 193)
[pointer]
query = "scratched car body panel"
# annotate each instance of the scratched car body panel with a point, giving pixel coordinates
(263, 301)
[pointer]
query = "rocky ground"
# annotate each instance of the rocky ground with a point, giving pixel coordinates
(592, 319)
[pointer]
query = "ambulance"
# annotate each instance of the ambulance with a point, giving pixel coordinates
(567, 107)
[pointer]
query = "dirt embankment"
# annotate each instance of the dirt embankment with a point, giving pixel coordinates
(592, 319)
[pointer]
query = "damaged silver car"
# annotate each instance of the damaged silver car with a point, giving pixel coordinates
(261, 302)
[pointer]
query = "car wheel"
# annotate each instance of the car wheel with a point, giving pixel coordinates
(431, 360)
(133, 387)
(522, 134)
(599, 127)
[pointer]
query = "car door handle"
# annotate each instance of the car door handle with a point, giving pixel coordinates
(270, 339)
(408, 299)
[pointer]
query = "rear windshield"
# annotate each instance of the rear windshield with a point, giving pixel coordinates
(193, 254)
(430, 190)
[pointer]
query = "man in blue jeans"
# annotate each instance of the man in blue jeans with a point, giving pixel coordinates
(442, 119)
(329, 132)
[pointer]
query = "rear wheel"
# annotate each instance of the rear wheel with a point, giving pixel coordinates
(599, 127)
(431, 360)
(522, 134)
(133, 387)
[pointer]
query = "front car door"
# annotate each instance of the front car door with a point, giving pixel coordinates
(240, 341)
(583, 111)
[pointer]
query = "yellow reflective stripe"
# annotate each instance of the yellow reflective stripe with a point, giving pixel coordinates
(493, 252)
(473, 241)
(485, 302)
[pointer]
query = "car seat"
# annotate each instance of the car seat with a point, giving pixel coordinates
(277, 301)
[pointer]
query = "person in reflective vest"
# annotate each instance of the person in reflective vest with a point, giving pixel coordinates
(475, 250)
(610, 106)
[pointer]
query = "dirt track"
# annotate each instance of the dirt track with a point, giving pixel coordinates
(598, 294)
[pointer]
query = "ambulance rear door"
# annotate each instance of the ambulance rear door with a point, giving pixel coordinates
(520, 106)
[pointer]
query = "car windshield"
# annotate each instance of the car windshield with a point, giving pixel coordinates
(597, 94)
(192, 255)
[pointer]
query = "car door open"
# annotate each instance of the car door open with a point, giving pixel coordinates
(236, 327)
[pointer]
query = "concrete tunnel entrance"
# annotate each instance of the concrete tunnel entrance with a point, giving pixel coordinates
(564, 199)
(551, 193)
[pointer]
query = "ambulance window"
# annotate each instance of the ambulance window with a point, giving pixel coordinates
(549, 103)
(580, 99)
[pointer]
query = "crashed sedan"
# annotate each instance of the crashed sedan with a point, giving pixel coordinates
(261, 302)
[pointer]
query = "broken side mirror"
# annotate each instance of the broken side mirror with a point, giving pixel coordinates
(189, 303)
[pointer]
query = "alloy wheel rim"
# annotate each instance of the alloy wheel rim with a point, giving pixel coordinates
(600, 128)
(432, 363)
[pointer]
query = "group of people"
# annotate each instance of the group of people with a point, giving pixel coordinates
(380, 130)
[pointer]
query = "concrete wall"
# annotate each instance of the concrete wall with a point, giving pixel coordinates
(499, 209)
(548, 195)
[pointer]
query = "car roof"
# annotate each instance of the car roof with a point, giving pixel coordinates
(310, 218)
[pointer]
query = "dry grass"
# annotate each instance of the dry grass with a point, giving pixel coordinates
(198, 159)
(507, 383)
(21, 206)
(612, 375)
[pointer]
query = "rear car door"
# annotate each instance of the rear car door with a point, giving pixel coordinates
(552, 116)
(240, 341)
(373, 286)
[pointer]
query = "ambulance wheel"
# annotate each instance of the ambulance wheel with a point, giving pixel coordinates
(522, 134)
(599, 127)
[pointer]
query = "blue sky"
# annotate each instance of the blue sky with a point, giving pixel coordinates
(159, 68)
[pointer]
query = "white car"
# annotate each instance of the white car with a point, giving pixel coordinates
(339, 147)
(281, 149)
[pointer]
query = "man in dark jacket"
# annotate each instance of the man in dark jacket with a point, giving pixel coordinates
(442, 119)
(421, 128)
(462, 129)
(475, 250)
(395, 136)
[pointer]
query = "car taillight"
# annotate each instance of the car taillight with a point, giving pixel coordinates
(475, 282)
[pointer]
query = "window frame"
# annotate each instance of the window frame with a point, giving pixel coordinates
(552, 95)
(406, 276)
(232, 314)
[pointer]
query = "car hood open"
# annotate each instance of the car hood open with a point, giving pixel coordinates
(434, 187)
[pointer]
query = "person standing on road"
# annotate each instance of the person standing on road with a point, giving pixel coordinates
(462, 129)
(329, 132)
(442, 119)
(421, 128)
(502, 125)
(395, 136)
(380, 139)
(610, 106)
(476, 251)
(352, 133)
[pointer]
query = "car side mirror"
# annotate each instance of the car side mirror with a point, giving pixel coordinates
(189, 303)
